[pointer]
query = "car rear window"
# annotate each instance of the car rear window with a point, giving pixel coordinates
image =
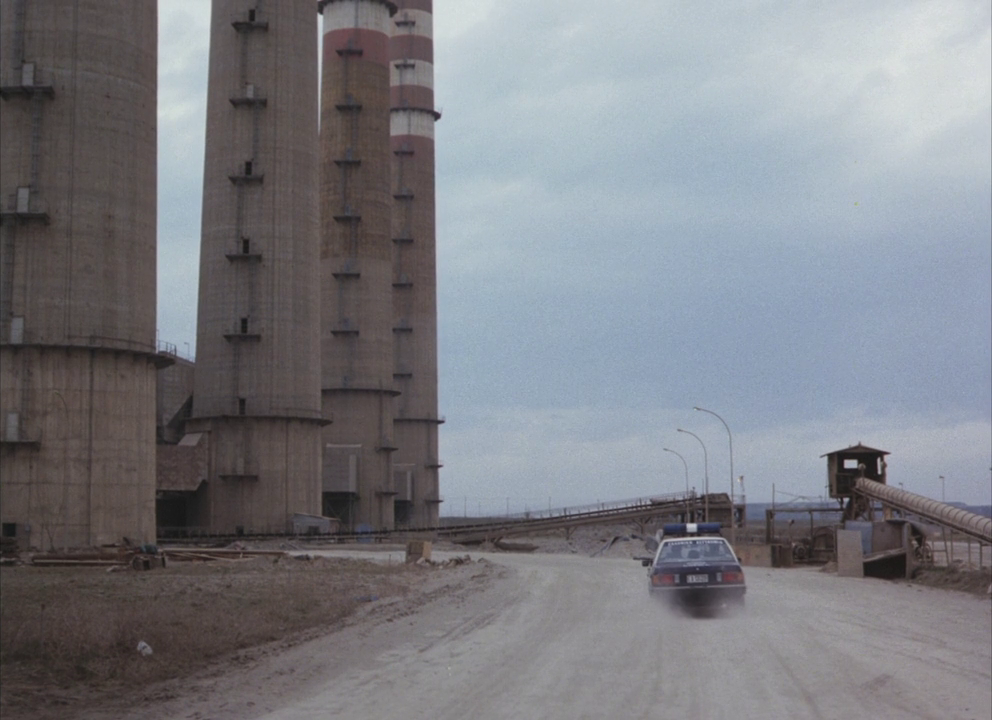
(704, 549)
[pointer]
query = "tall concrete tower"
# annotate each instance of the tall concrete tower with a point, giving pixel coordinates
(414, 263)
(356, 262)
(257, 383)
(77, 270)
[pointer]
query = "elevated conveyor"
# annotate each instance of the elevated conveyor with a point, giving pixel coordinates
(948, 516)
(634, 511)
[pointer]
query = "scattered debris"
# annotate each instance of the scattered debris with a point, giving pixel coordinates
(143, 557)
(974, 581)
(144, 649)
(609, 543)
(417, 550)
(450, 562)
(457, 560)
(514, 546)
(223, 554)
(8, 548)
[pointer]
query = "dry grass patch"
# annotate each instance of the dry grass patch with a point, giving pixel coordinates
(68, 627)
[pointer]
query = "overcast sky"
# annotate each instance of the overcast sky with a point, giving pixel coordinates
(774, 209)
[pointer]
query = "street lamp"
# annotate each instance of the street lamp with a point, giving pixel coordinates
(941, 478)
(733, 522)
(706, 476)
(686, 469)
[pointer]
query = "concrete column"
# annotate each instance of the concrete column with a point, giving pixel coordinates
(356, 256)
(78, 271)
(257, 379)
(414, 256)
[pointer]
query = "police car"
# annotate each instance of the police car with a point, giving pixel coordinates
(695, 566)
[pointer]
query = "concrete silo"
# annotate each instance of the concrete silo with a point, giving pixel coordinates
(256, 397)
(356, 262)
(414, 263)
(77, 270)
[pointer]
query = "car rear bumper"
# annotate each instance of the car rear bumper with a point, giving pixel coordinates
(701, 595)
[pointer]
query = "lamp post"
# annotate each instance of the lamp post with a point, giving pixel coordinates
(941, 478)
(706, 476)
(733, 520)
(686, 469)
(686, 465)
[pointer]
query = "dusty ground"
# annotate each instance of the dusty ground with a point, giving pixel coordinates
(976, 582)
(69, 636)
(354, 632)
(571, 637)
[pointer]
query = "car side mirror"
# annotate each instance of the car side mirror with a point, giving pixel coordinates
(645, 562)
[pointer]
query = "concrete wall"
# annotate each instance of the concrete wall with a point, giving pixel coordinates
(356, 247)
(174, 387)
(414, 252)
(78, 269)
(257, 380)
(888, 536)
(87, 151)
(754, 555)
(185, 466)
(850, 556)
(261, 472)
(85, 473)
(272, 213)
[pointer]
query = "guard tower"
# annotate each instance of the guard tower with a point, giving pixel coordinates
(844, 467)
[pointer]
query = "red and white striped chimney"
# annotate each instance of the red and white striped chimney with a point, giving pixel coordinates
(357, 339)
(414, 260)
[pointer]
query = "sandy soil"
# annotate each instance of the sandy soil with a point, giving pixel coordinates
(68, 635)
(572, 637)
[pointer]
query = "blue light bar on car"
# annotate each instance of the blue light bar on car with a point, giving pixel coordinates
(690, 529)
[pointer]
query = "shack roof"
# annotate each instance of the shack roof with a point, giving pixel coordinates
(858, 449)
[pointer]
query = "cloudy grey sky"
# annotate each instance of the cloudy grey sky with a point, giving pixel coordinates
(775, 209)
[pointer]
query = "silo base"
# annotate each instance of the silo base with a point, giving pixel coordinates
(77, 457)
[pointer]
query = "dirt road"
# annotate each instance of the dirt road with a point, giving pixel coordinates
(573, 637)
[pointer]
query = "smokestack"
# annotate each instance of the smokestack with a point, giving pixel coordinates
(77, 271)
(356, 262)
(412, 121)
(257, 377)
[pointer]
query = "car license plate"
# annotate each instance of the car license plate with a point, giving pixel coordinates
(695, 579)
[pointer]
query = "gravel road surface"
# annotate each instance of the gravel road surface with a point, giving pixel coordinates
(573, 637)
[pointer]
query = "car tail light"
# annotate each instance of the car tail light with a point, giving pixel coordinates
(733, 577)
(664, 579)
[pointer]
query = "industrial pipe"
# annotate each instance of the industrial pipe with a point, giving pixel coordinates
(962, 521)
